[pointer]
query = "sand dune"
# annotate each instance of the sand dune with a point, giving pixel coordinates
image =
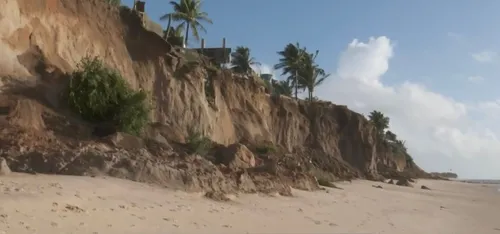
(63, 204)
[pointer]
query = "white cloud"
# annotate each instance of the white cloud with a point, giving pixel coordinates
(475, 79)
(441, 133)
(485, 56)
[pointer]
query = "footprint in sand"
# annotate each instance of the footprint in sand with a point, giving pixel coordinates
(317, 222)
(73, 208)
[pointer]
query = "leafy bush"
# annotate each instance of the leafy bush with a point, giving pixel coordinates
(265, 148)
(99, 94)
(199, 144)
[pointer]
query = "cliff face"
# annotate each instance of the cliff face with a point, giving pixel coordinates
(42, 40)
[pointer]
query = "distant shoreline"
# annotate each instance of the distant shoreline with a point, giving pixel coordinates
(476, 181)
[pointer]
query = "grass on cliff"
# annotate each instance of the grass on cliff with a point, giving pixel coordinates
(114, 2)
(101, 95)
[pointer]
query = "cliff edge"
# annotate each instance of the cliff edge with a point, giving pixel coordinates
(42, 42)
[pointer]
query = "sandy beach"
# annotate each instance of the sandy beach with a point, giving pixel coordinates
(64, 204)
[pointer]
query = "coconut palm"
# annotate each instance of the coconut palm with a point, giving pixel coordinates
(283, 87)
(401, 144)
(167, 32)
(173, 32)
(241, 61)
(310, 75)
(291, 60)
(189, 13)
(390, 136)
(380, 121)
(174, 35)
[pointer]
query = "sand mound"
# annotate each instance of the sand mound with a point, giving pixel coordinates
(26, 114)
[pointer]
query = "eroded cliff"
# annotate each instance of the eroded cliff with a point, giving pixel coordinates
(42, 41)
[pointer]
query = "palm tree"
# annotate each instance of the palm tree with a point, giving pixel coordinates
(311, 75)
(166, 33)
(174, 35)
(173, 32)
(390, 136)
(380, 121)
(401, 145)
(241, 61)
(283, 87)
(189, 13)
(291, 59)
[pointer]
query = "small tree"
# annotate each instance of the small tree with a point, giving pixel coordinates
(99, 94)
(390, 136)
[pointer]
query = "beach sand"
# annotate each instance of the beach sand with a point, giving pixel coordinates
(63, 204)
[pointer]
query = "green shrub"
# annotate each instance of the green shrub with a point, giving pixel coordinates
(265, 149)
(99, 94)
(199, 144)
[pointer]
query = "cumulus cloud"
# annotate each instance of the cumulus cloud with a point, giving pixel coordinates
(441, 132)
(475, 79)
(484, 56)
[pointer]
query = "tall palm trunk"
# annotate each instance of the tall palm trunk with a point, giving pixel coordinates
(187, 34)
(296, 78)
(168, 27)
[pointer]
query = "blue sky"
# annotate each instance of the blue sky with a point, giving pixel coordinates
(425, 52)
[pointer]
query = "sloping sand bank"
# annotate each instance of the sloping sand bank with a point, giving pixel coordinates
(61, 204)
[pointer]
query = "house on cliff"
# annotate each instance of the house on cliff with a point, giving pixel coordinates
(217, 55)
